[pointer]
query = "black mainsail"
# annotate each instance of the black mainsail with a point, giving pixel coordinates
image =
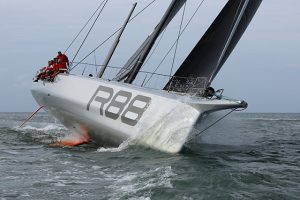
(134, 64)
(213, 49)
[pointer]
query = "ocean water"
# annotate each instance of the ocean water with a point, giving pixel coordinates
(246, 156)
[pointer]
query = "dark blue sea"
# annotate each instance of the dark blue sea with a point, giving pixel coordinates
(246, 156)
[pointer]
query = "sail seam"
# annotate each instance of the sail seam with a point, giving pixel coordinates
(236, 22)
(177, 41)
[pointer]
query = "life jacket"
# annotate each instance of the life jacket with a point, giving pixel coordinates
(61, 66)
(48, 68)
(63, 59)
(54, 67)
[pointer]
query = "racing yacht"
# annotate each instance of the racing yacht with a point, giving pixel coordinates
(119, 109)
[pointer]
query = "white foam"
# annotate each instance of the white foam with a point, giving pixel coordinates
(74, 137)
(11, 152)
(129, 184)
(168, 134)
(140, 198)
(59, 184)
(95, 167)
(273, 119)
(48, 127)
(171, 132)
(122, 147)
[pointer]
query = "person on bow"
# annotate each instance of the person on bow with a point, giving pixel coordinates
(50, 70)
(44, 72)
(60, 66)
(55, 65)
(63, 59)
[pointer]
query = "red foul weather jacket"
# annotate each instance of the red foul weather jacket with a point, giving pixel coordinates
(63, 59)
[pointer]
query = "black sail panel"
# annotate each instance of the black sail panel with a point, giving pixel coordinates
(213, 49)
(243, 24)
(175, 6)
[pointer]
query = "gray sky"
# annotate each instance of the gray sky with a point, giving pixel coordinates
(264, 69)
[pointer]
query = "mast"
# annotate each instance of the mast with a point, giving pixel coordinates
(115, 44)
(133, 65)
(148, 48)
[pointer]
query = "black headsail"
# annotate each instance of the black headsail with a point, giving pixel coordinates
(213, 49)
(132, 67)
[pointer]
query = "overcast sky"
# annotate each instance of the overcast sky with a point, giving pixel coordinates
(264, 68)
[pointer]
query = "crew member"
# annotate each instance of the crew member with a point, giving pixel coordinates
(64, 60)
(43, 73)
(49, 71)
(55, 66)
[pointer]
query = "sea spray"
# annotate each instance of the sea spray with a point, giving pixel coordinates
(40, 133)
(121, 147)
(171, 132)
(44, 128)
(168, 134)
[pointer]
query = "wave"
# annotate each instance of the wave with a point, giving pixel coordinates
(38, 133)
(121, 147)
(49, 127)
(135, 183)
(273, 119)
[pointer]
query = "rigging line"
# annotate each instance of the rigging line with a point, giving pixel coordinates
(114, 67)
(234, 26)
(95, 59)
(31, 116)
(123, 69)
(161, 37)
(90, 30)
(83, 70)
(175, 42)
(210, 126)
(126, 69)
(84, 27)
(153, 51)
(78, 63)
(142, 10)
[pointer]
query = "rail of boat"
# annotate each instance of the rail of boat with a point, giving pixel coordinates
(152, 80)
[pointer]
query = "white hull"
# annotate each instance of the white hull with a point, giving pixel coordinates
(160, 120)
